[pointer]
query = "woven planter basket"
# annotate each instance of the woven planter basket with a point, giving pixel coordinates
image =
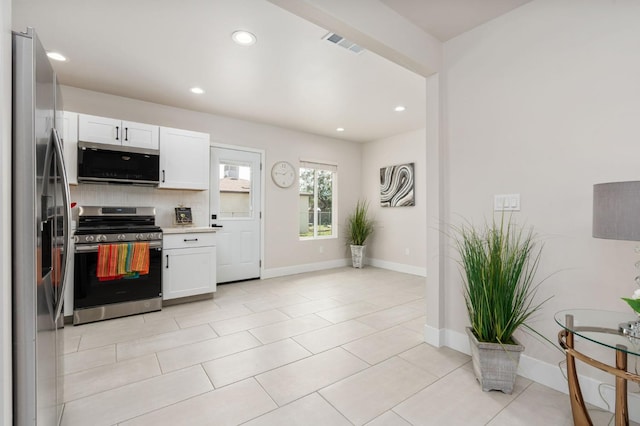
(495, 365)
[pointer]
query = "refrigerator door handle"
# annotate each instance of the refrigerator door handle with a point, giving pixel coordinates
(66, 201)
(49, 158)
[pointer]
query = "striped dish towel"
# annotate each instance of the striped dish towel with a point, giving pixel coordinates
(140, 260)
(107, 265)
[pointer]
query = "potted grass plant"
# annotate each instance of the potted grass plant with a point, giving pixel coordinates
(359, 228)
(498, 266)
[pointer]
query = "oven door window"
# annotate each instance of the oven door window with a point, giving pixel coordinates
(90, 292)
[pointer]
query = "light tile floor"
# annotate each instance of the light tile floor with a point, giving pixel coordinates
(337, 347)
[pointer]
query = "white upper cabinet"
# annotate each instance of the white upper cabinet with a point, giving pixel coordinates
(70, 144)
(110, 131)
(184, 159)
(140, 135)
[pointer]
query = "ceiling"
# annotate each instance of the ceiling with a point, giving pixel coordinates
(156, 50)
(445, 19)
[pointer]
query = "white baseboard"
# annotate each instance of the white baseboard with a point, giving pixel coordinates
(338, 263)
(544, 373)
(434, 336)
(398, 267)
(594, 391)
(633, 401)
(457, 341)
(308, 267)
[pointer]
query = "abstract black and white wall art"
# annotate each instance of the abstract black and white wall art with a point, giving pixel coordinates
(396, 186)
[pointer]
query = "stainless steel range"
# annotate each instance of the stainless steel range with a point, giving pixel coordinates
(118, 263)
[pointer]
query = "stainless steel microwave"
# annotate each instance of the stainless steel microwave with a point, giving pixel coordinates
(136, 166)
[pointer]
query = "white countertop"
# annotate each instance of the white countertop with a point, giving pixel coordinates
(187, 229)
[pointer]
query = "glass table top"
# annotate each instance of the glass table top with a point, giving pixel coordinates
(602, 327)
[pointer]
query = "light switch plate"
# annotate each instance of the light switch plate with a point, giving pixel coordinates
(506, 202)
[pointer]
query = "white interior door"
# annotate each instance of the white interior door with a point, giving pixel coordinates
(235, 185)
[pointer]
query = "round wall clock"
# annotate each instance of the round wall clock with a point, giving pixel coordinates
(283, 174)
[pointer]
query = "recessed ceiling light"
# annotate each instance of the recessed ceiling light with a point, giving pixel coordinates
(56, 56)
(243, 38)
(340, 129)
(197, 90)
(399, 108)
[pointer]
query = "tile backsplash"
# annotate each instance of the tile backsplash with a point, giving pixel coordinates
(164, 200)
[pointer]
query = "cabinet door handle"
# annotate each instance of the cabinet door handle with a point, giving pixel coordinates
(163, 176)
(190, 239)
(167, 267)
(117, 131)
(126, 133)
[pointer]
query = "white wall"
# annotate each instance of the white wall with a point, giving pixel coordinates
(5, 215)
(545, 102)
(399, 238)
(284, 253)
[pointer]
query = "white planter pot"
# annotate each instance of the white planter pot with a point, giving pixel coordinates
(495, 365)
(357, 256)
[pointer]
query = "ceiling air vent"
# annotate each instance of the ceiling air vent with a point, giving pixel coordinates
(343, 42)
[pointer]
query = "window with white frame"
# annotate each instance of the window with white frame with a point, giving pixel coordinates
(317, 204)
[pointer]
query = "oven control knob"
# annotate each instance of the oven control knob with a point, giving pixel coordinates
(121, 237)
(89, 238)
(139, 236)
(101, 238)
(76, 239)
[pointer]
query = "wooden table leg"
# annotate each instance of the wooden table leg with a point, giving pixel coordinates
(578, 408)
(622, 410)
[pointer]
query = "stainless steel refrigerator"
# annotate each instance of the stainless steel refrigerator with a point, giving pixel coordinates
(40, 240)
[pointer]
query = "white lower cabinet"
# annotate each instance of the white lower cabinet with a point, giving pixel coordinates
(188, 265)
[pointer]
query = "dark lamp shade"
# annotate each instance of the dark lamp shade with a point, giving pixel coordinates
(616, 210)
